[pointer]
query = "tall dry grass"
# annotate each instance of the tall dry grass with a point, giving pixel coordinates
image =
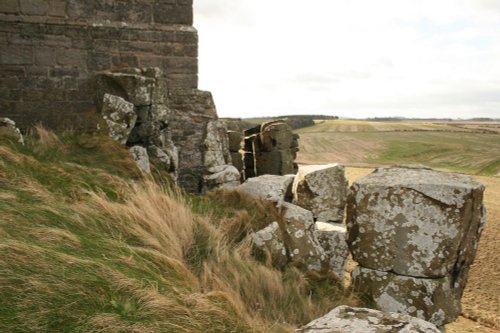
(129, 255)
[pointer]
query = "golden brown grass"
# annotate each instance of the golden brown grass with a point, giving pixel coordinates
(86, 247)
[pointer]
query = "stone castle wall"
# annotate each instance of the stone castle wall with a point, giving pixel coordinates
(50, 49)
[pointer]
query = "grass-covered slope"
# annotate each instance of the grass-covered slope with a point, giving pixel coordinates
(87, 244)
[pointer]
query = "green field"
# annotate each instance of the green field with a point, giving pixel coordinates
(458, 146)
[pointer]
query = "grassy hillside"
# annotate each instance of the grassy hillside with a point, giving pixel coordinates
(453, 146)
(87, 244)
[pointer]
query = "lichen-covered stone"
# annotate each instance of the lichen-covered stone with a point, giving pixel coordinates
(321, 189)
(140, 156)
(118, 118)
(294, 238)
(434, 300)
(132, 84)
(216, 144)
(331, 237)
(345, 319)
(222, 176)
(272, 188)
(163, 159)
(415, 222)
(9, 130)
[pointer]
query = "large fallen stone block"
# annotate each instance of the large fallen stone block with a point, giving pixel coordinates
(223, 176)
(118, 118)
(345, 319)
(415, 221)
(321, 189)
(9, 130)
(331, 237)
(434, 300)
(292, 239)
(272, 188)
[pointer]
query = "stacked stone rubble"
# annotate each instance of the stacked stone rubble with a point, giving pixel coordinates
(270, 148)
(297, 238)
(414, 233)
(135, 112)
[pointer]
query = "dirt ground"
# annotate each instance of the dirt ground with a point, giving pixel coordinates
(481, 300)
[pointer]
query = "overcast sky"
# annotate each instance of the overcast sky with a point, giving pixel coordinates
(351, 58)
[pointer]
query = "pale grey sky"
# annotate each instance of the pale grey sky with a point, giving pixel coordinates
(351, 58)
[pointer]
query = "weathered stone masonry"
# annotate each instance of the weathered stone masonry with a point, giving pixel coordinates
(50, 51)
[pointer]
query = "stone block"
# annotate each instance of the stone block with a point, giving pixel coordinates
(9, 130)
(16, 55)
(9, 7)
(34, 7)
(272, 188)
(216, 145)
(331, 237)
(71, 57)
(118, 118)
(237, 161)
(45, 56)
(223, 176)
(57, 8)
(99, 61)
(323, 190)
(170, 13)
(235, 139)
(434, 300)
(345, 319)
(140, 156)
(79, 9)
(415, 221)
(293, 241)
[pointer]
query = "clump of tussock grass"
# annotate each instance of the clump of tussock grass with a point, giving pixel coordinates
(105, 251)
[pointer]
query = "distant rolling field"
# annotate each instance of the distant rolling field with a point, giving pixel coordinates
(457, 146)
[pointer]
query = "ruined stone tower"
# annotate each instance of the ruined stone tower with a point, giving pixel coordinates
(50, 51)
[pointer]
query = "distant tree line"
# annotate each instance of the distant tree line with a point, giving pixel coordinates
(295, 121)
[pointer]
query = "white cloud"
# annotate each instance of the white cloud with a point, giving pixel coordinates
(351, 57)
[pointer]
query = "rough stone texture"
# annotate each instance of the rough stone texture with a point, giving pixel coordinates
(163, 159)
(434, 300)
(321, 189)
(293, 241)
(235, 139)
(118, 118)
(270, 148)
(49, 51)
(140, 156)
(216, 145)
(222, 176)
(9, 130)
(345, 319)
(147, 97)
(331, 237)
(415, 222)
(277, 189)
(191, 112)
(414, 232)
(220, 173)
